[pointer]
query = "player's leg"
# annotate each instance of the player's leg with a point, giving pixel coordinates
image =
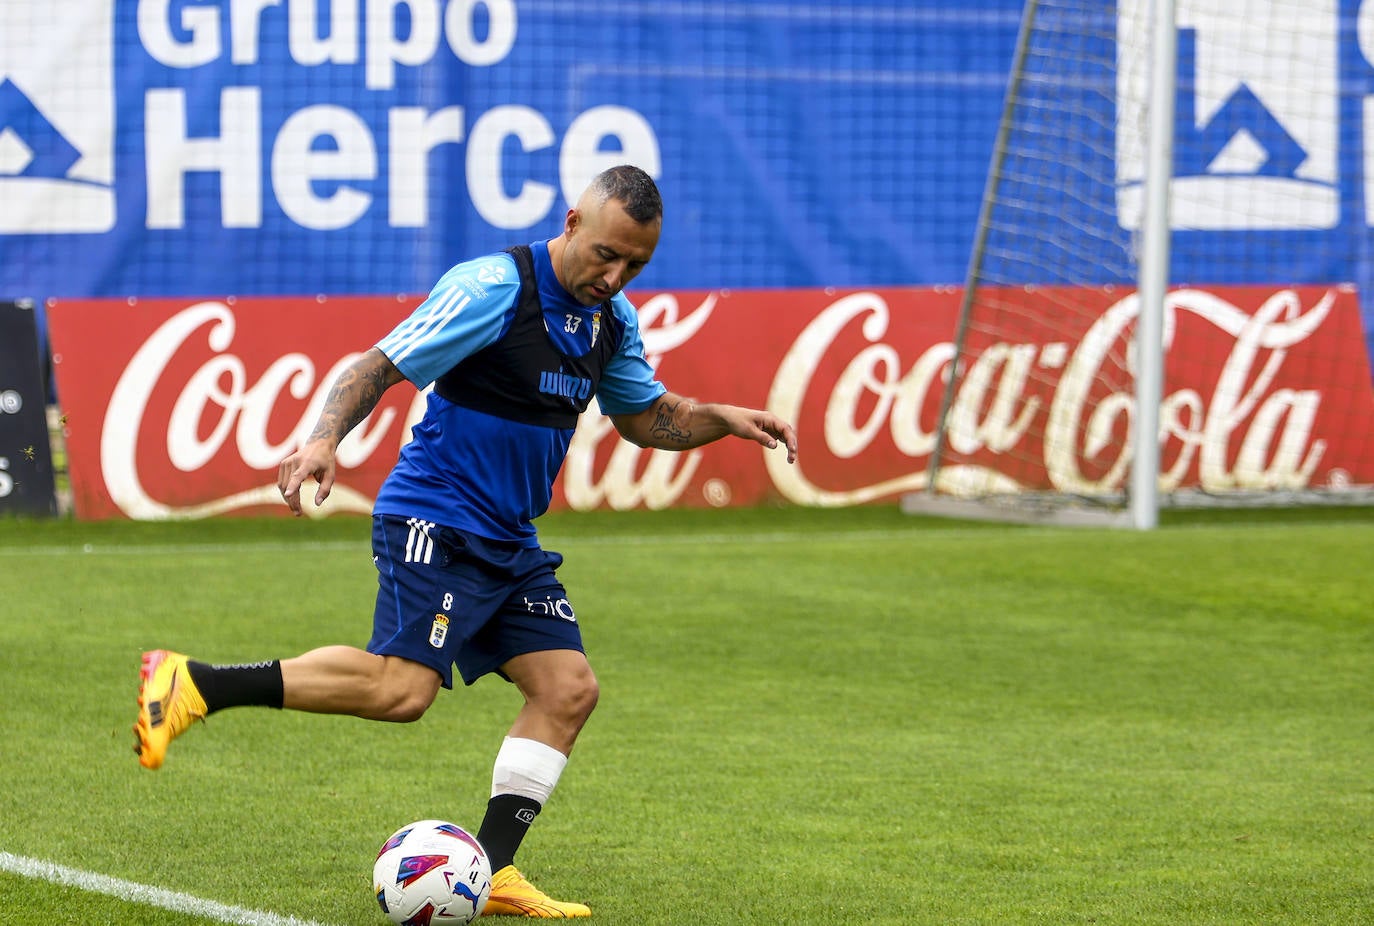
(395, 679)
(345, 680)
(175, 691)
(560, 692)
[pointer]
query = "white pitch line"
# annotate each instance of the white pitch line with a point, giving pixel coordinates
(143, 894)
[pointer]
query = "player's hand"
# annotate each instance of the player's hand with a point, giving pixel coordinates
(314, 460)
(765, 428)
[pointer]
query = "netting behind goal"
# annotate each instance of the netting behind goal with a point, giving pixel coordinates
(1266, 376)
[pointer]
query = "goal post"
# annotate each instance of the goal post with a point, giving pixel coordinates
(1156, 310)
(1154, 268)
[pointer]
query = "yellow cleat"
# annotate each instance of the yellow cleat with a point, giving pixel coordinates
(512, 895)
(167, 703)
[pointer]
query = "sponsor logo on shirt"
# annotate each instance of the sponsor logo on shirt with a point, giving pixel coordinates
(490, 273)
(562, 384)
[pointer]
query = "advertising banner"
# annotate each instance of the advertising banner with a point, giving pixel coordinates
(167, 147)
(171, 148)
(26, 471)
(183, 408)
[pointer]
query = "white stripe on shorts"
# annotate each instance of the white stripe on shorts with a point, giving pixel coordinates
(419, 545)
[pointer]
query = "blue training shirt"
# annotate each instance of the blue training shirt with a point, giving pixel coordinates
(483, 473)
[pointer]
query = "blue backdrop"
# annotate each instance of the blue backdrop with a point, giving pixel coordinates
(173, 148)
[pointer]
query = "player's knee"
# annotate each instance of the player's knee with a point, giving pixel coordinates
(409, 713)
(588, 697)
(577, 699)
(407, 690)
(559, 687)
(407, 708)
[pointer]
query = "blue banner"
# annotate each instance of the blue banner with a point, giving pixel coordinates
(184, 147)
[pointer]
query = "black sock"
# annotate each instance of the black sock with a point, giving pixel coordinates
(508, 819)
(258, 684)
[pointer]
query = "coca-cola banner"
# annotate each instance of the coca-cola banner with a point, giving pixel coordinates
(183, 408)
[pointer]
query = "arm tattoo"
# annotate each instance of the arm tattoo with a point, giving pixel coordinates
(664, 428)
(354, 394)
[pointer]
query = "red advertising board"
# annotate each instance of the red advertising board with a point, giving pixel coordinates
(183, 408)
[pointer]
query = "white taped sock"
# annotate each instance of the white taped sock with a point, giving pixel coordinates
(528, 768)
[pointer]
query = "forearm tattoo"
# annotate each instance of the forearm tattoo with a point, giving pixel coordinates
(665, 428)
(354, 394)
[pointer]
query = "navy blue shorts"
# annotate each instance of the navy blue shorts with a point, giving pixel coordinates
(446, 597)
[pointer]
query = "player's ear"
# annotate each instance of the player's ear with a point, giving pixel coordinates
(570, 223)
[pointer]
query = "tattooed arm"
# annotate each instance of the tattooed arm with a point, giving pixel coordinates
(353, 396)
(673, 422)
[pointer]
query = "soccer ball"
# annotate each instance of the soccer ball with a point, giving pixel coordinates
(431, 872)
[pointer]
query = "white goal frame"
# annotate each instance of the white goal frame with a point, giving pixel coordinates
(1142, 501)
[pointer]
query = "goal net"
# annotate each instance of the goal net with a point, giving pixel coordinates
(1266, 385)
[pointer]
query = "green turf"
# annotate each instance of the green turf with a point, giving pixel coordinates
(828, 717)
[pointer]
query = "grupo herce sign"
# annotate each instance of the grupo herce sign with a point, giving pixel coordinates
(191, 147)
(260, 138)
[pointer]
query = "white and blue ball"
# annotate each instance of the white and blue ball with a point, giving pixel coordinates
(431, 872)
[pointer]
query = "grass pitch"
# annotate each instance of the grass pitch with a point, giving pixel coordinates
(828, 717)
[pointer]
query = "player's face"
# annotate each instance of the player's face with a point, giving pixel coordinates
(605, 250)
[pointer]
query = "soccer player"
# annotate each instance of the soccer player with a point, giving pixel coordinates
(516, 345)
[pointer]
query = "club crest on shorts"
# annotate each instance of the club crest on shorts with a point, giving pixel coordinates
(438, 632)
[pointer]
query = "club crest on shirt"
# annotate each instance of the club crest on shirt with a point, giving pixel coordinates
(596, 326)
(438, 632)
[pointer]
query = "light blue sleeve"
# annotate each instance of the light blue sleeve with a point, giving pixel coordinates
(628, 384)
(469, 308)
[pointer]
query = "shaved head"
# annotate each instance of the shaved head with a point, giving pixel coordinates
(609, 236)
(632, 188)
